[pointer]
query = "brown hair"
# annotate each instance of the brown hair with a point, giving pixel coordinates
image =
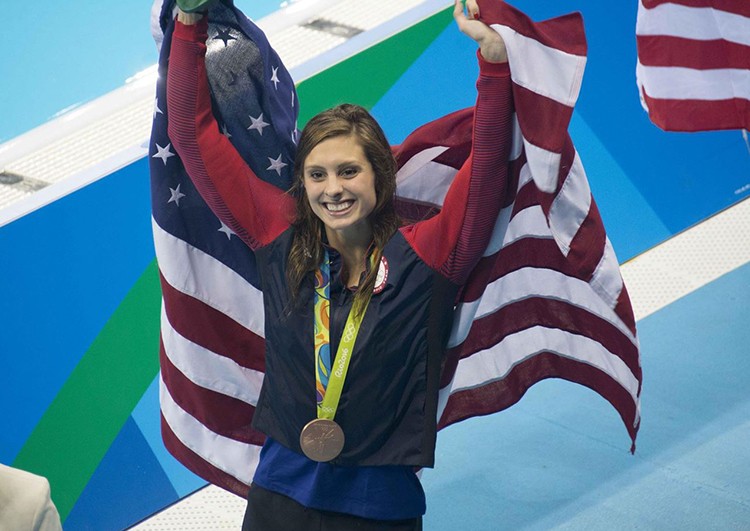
(307, 246)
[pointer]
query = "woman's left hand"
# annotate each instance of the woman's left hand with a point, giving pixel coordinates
(491, 45)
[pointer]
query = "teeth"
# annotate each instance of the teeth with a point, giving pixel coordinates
(336, 207)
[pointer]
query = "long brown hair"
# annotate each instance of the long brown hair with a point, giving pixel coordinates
(306, 254)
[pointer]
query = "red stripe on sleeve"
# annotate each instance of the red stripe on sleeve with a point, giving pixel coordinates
(255, 210)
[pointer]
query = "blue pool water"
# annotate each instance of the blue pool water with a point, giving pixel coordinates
(57, 55)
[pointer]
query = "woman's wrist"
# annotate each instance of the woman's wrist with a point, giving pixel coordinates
(188, 19)
(493, 49)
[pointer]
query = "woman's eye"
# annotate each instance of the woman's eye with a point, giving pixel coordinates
(316, 175)
(349, 172)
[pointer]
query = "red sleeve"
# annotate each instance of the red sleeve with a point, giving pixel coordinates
(255, 210)
(453, 241)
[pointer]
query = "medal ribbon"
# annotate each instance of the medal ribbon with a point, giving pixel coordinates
(329, 380)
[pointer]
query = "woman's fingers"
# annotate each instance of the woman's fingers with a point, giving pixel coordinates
(458, 12)
(469, 26)
(491, 45)
(464, 24)
(473, 8)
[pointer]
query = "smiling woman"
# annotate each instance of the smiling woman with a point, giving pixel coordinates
(340, 186)
(347, 171)
(319, 250)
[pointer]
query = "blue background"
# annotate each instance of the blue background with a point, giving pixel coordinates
(75, 260)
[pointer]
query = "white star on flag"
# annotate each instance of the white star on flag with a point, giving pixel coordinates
(157, 110)
(258, 124)
(176, 195)
(225, 131)
(275, 77)
(276, 164)
(226, 230)
(163, 153)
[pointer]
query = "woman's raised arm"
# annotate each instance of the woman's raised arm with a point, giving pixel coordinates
(255, 210)
(453, 241)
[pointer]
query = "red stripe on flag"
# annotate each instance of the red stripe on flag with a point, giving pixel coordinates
(501, 394)
(550, 313)
(527, 252)
(412, 211)
(220, 413)
(624, 309)
(489, 330)
(530, 196)
(198, 465)
(514, 177)
(211, 329)
(567, 157)
(663, 50)
(738, 7)
(698, 115)
(564, 33)
(588, 244)
(456, 155)
(548, 127)
(451, 131)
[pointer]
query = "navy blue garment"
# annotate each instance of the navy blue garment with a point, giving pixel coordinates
(388, 405)
(376, 492)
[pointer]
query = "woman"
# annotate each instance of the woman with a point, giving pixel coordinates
(340, 276)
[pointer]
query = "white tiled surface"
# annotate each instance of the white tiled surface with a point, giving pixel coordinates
(71, 154)
(295, 44)
(78, 140)
(209, 509)
(689, 260)
(360, 13)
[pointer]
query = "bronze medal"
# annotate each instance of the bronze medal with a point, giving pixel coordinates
(321, 440)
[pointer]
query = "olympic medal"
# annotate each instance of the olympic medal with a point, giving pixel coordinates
(321, 440)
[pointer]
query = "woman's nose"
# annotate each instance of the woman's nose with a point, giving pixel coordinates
(333, 186)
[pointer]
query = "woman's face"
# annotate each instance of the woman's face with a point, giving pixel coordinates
(340, 185)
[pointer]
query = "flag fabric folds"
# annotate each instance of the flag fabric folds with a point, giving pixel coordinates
(547, 299)
(693, 70)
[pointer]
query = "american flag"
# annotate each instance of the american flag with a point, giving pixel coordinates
(547, 300)
(693, 69)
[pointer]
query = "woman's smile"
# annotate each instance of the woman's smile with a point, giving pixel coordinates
(339, 208)
(340, 186)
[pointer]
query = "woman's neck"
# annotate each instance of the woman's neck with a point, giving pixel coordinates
(352, 245)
